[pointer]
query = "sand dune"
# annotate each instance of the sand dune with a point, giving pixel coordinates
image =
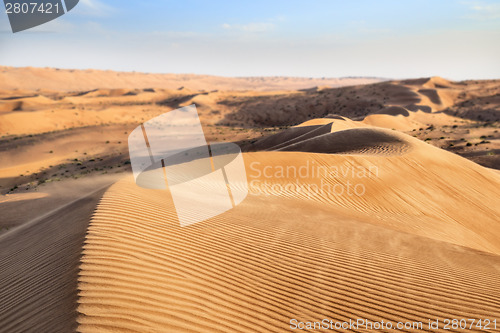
(399, 252)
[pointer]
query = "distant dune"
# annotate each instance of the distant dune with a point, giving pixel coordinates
(76, 80)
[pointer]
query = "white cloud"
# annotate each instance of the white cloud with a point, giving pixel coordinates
(483, 11)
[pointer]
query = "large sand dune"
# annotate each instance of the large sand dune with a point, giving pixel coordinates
(420, 243)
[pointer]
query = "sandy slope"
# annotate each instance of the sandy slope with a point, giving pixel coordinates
(420, 243)
(39, 267)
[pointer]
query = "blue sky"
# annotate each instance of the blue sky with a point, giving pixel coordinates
(397, 39)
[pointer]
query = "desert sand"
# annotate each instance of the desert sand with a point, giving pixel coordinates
(404, 225)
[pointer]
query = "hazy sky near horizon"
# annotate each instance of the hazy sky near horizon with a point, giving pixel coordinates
(393, 39)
